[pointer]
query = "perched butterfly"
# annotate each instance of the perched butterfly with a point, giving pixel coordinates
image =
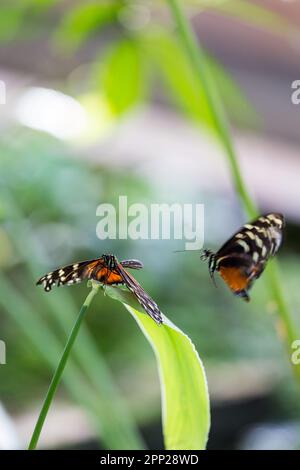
(108, 271)
(243, 257)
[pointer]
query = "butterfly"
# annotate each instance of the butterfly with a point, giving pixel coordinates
(108, 271)
(243, 258)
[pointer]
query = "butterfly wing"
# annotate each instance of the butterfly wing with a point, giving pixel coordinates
(96, 269)
(102, 269)
(68, 275)
(243, 258)
(261, 238)
(142, 297)
(238, 273)
(132, 264)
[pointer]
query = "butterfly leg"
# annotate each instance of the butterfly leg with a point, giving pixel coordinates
(104, 284)
(243, 294)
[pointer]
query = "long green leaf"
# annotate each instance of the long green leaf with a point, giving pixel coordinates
(185, 399)
(167, 54)
(202, 71)
(172, 64)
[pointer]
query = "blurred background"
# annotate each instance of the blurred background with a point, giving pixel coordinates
(101, 102)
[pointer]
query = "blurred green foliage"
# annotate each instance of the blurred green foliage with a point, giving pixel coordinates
(39, 232)
(122, 77)
(83, 20)
(140, 50)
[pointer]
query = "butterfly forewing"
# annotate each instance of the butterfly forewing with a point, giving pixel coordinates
(143, 298)
(68, 275)
(259, 239)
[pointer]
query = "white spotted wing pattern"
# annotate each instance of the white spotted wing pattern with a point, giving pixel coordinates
(108, 271)
(243, 258)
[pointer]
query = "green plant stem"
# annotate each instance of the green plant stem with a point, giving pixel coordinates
(59, 370)
(198, 61)
(118, 429)
(207, 83)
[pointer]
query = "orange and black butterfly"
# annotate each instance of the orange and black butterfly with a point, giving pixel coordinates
(243, 258)
(108, 271)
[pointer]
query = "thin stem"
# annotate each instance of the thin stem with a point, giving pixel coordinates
(202, 71)
(59, 370)
(288, 331)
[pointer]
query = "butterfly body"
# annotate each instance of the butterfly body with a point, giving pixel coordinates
(108, 271)
(243, 258)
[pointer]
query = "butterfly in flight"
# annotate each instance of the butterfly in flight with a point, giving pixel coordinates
(108, 271)
(243, 258)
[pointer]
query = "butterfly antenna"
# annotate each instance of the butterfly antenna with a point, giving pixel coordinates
(185, 251)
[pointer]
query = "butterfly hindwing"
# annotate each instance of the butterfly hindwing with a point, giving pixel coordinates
(236, 270)
(132, 264)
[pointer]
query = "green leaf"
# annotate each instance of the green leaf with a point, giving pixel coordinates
(235, 102)
(121, 75)
(80, 22)
(185, 399)
(10, 21)
(173, 65)
(180, 80)
(202, 71)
